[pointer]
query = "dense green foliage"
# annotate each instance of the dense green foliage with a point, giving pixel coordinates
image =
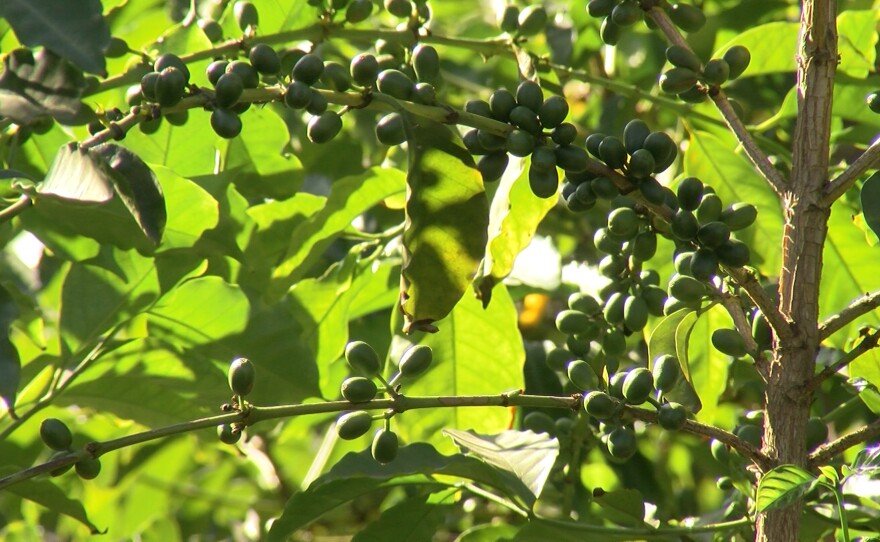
(421, 270)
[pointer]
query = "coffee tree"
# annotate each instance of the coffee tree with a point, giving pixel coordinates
(439, 270)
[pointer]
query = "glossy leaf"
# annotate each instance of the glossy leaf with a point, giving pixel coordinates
(623, 507)
(77, 31)
(526, 455)
(412, 520)
(359, 474)
(39, 85)
(870, 199)
(771, 46)
(514, 215)
(348, 199)
(191, 210)
(708, 367)
(858, 39)
(671, 337)
(782, 486)
(479, 352)
(79, 175)
(47, 494)
(137, 187)
(445, 233)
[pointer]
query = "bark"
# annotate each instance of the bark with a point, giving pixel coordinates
(806, 224)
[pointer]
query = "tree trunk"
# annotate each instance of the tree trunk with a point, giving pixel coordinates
(806, 226)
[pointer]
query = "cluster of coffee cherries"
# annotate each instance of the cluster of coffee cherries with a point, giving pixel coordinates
(689, 78)
(361, 388)
(538, 131)
(241, 376)
(57, 436)
(617, 15)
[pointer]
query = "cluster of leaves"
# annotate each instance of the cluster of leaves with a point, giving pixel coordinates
(168, 253)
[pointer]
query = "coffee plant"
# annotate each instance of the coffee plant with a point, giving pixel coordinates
(434, 270)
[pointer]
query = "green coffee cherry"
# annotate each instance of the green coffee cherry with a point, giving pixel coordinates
(635, 313)
(610, 31)
(89, 468)
(638, 386)
(737, 58)
(663, 148)
(704, 264)
(490, 141)
(713, 234)
(672, 416)
(298, 95)
(390, 130)
(687, 289)
(526, 119)
(600, 8)
(116, 48)
(622, 443)
(730, 342)
(733, 253)
(227, 434)
(241, 376)
(364, 69)
(627, 13)
(509, 20)
(395, 83)
(624, 222)
(716, 72)
(216, 70)
(682, 57)
(600, 405)
(613, 152)
(584, 303)
(399, 8)
(245, 15)
(228, 90)
(532, 20)
(644, 246)
(582, 375)
(492, 166)
(544, 183)
(60, 470)
(520, 143)
(687, 17)
(684, 225)
(415, 360)
(553, 111)
(761, 331)
(308, 69)
(249, 76)
(564, 134)
(426, 62)
(530, 95)
(317, 102)
(690, 192)
(719, 451)
(353, 425)
(614, 342)
(572, 322)
(170, 86)
(358, 389)
(667, 372)
(634, 134)
(169, 60)
(539, 422)
(324, 127)
(613, 311)
(739, 216)
(225, 123)
(361, 357)
(501, 103)
(676, 80)
(212, 29)
(385, 445)
(358, 10)
(55, 434)
(749, 433)
(264, 59)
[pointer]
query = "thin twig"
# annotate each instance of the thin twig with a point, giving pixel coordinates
(850, 175)
(859, 307)
(744, 448)
(755, 154)
(868, 342)
(23, 202)
(836, 447)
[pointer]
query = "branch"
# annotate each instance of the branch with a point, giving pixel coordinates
(744, 448)
(824, 453)
(732, 304)
(758, 158)
(859, 307)
(848, 177)
(23, 202)
(868, 342)
(746, 279)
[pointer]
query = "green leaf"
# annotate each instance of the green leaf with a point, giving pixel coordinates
(867, 462)
(189, 150)
(79, 175)
(256, 157)
(191, 210)
(783, 486)
(870, 199)
(830, 474)
(412, 520)
(526, 455)
(708, 367)
(857, 30)
(489, 532)
(10, 372)
(514, 215)
(537, 530)
(94, 299)
(358, 474)
(480, 352)
(623, 507)
(75, 30)
(39, 85)
(348, 199)
(717, 162)
(445, 234)
(137, 187)
(772, 46)
(849, 271)
(50, 496)
(199, 311)
(671, 337)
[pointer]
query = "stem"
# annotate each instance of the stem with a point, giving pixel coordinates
(23, 202)
(859, 307)
(755, 154)
(824, 453)
(844, 525)
(647, 532)
(850, 175)
(868, 342)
